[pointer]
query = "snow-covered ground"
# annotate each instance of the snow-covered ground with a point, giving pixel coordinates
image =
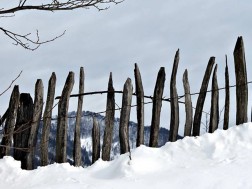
(219, 160)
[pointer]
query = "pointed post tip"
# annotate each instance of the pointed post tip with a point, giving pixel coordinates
(239, 44)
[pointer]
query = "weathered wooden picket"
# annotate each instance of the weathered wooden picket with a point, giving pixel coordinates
(23, 116)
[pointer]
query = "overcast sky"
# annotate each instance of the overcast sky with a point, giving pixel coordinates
(146, 32)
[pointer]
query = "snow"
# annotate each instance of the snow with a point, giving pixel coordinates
(219, 160)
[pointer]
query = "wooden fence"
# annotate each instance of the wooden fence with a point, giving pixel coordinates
(22, 118)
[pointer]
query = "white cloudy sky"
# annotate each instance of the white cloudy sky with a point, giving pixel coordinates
(146, 32)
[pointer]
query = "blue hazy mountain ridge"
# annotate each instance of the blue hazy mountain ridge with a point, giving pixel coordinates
(86, 137)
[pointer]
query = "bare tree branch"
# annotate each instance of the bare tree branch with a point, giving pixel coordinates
(25, 40)
(57, 5)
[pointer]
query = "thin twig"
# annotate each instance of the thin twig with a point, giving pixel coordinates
(11, 83)
(25, 41)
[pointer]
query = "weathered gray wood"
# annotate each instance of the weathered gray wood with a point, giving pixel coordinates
(22, 129)
(241, 83)
(201, 98)
(47, 120)
(62, 124)
(125, 116)
(10, 123)
(37, 112)
(214, 114)
(188, 105)
(174, 121)
(156, 109)
(140, 106)
(95, 141)
(77, 142)
(227, 98)
(109, 121)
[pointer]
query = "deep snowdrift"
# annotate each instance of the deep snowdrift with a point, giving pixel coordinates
(219, 160)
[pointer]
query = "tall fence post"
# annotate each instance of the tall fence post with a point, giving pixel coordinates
(201, 98)
(109, 121)
(95, 141)
(241, 83)
(140, 106)
(227, 98)
(5, 149)
(47, 116)
(22, 129)
(61, 139)
(156, 109)
(188, 105)
(214, 114)
(125, 116)
(174, 122)
(77, 142)
(37, 112)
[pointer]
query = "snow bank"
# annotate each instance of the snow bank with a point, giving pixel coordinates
(219, 160)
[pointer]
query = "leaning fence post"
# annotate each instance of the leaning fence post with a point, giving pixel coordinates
(140, 106)
(62, 124)
(174, 122)
(241, 83)
(77, 142)
(125, 116)
(188, 105)
(156, 109)
(47, 120)
(37, 112)
(10, 123)
(201, 98)
(227, 98)
(109, 121)
(214, 114)
(22, 129)
(95, 141)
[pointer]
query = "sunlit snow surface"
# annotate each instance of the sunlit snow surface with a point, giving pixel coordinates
(219, 160)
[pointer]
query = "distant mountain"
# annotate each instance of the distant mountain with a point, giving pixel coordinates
(86, 137)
